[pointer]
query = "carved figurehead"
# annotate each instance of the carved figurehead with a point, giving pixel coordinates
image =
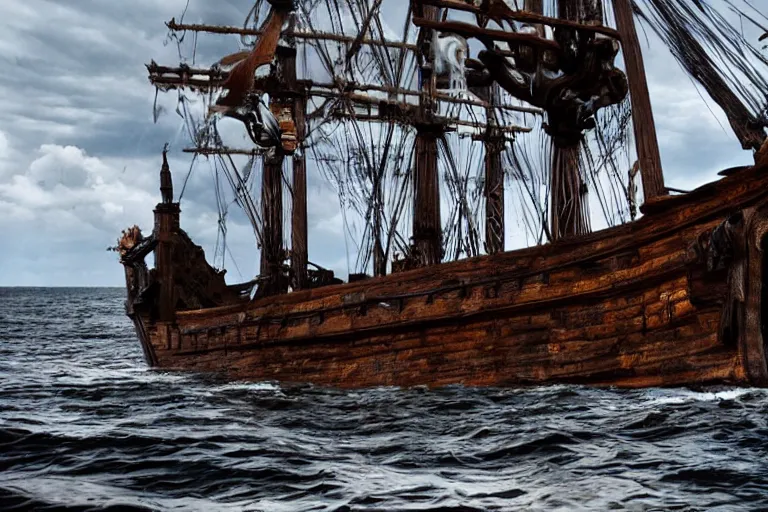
(130, 238)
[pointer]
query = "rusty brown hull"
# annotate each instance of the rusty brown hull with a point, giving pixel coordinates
(672, 299)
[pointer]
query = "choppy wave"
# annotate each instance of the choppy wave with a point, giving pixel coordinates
(84, 425)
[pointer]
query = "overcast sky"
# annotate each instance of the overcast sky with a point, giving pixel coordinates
(80, 154)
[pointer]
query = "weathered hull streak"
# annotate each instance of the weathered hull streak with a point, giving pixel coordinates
(671, 299)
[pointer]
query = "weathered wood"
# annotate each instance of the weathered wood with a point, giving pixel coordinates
(569, 206)
(568, 215)
(272, 252)
(299, 235)
(427, 227)
(620, 307)
(311, 36)
(531, 14)
(299, 238)
(642, 114)
(379, 258)
(166, 225)
(427, 247)
(494, 184)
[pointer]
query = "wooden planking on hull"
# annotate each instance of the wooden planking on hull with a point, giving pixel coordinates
(709, 203)
(636, 305)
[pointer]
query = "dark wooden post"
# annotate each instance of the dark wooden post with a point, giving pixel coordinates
(166, 226)
(642, 114)
(568, 214)
(427, 227)
(494, 180)
(379, 260)
(272, 218)
(299, 239)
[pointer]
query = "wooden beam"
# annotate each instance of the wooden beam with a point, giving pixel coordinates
(642, 113)
(494, 184)
(468, 30)
(186, 77)
(568, 205)
(531, 16)
(299, 236)
(427, 226)
(166, 226)
(568, 215)
(223, 151)
(272, 226)
(307, 36)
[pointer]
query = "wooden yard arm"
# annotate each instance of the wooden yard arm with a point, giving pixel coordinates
(499, 10)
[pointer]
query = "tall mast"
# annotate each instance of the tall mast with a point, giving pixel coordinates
(379, 258)
(299, 239)
(642, 113)
(494, 179)
(272, 251)
(427, 228)
(568, 208)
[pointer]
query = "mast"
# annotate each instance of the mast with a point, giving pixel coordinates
(299, 239)
(345, 100)
(272, 251)
(427, 227)
(642, 113)
(568, 215)
(379, 258)
(494, 180)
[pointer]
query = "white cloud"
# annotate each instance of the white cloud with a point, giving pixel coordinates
(64, 179)
(68, 206)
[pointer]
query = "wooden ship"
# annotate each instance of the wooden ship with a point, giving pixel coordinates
(670, 295)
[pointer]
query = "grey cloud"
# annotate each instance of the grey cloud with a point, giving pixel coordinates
(80, 155)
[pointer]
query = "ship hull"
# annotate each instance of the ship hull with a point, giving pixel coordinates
(672, 299)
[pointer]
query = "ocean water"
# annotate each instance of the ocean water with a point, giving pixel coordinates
(85, 425)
